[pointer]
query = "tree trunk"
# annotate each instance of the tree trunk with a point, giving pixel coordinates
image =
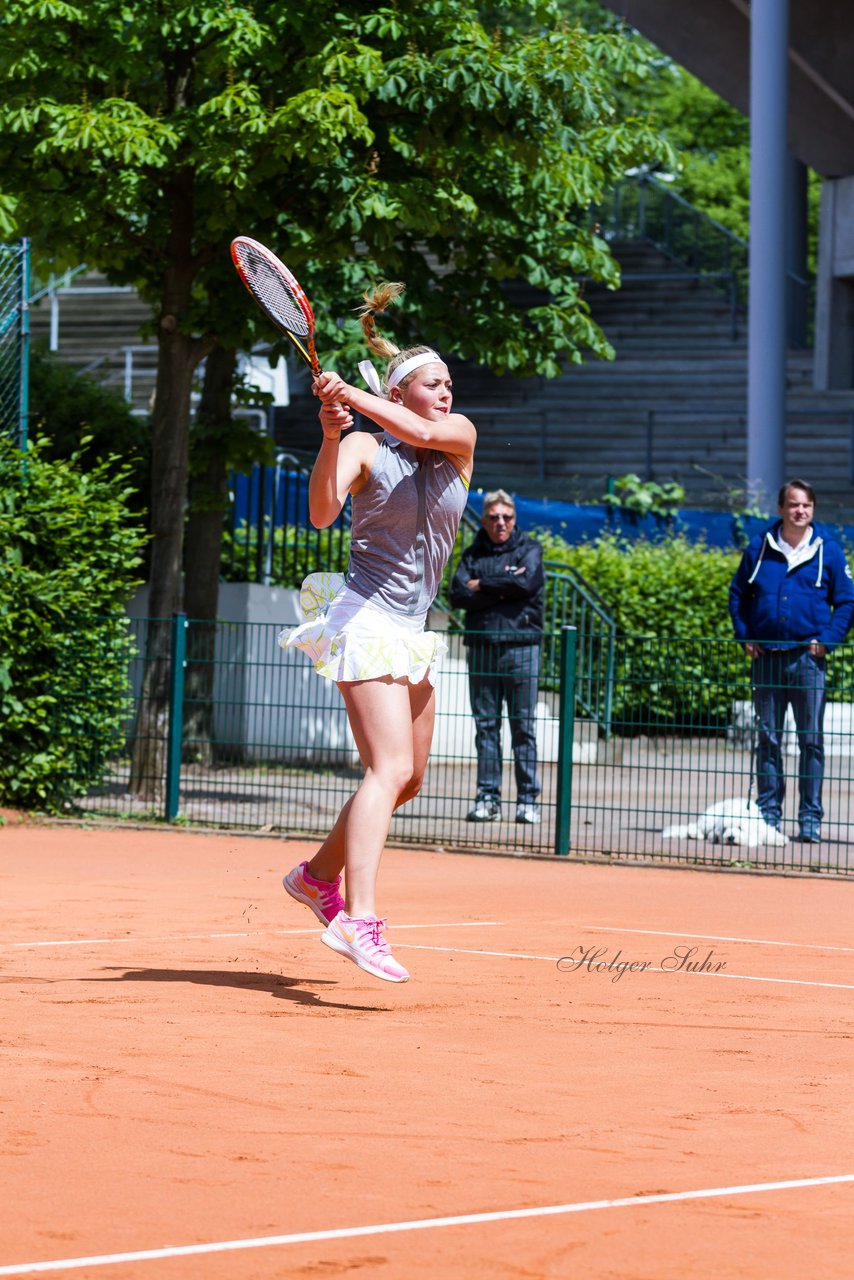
(178, 356)
(170, 448)
(203, 550)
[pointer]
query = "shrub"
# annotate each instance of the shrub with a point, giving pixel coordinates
(676, 661)
(70, 552)
(671, 587)
(297, 551)
(86, 420)
(676, 664)
(645, 497)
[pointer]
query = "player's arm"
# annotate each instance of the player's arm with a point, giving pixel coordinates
(739, 596)
(341, 466)
(453, 433)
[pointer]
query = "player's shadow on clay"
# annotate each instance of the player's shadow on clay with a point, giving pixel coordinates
(275, 984)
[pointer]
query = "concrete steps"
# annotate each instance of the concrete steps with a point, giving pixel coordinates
(672, 405)
(100, 332)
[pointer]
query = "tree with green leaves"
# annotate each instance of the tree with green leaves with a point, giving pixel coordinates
(710, 167)
(70, 554)
(82, 418)
(712, 144)
(361, 140)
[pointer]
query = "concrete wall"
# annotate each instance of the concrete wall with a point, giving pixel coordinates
(269, 704)
(711, 38)
(834, 308)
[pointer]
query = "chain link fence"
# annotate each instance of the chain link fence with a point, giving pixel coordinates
(247, 736)
(14, 341)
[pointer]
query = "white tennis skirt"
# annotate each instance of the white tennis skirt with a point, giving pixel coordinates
(347, 638)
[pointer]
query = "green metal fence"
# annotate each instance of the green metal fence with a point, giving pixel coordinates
(249, 737)
(14, 341)
(277, 544)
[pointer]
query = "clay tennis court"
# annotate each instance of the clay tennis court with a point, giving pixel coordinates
(193, 1086)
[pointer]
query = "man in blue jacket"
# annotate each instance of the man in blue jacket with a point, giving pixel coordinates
(791, 600)
(500, 583)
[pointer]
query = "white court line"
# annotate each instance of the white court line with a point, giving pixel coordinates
(716, 937)
(253, 933)
(688, 973)
(143, 938)
(414, 946)
(416, 1224)
(472, 951)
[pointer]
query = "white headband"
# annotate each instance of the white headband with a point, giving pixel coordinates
(372, 379)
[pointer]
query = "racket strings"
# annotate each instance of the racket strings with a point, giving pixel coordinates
(272, 292)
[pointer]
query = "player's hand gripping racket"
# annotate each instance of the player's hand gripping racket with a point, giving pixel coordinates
(279, 295)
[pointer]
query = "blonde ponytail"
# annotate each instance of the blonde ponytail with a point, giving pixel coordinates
(377, 300)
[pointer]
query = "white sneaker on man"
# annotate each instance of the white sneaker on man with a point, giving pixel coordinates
(485, 810)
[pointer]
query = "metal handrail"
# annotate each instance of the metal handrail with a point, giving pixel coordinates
(842, 412)
(676, 213)
(670, 199)
(63, 285)
(725, 232)
(55, 283)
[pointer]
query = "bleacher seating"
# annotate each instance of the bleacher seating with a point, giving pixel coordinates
(671, 406)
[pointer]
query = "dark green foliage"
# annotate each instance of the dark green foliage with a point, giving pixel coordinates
(408, 142)
(298, 550)
(677, 665)
(362, 141)
(645, 497)
(83, 418)
(671, 587)
(69, 560)
(712, 140)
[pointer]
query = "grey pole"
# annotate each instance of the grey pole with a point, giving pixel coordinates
(766, 379)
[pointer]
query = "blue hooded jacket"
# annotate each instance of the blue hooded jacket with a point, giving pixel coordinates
(784, 607)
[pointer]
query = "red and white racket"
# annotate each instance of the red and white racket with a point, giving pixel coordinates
(279, 295)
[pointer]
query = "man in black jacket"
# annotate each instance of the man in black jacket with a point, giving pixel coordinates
(500, 584)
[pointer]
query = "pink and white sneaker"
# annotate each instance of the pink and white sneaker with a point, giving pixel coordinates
(362, 941)
(323, 896)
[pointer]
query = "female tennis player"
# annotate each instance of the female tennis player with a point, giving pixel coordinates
(408, 487)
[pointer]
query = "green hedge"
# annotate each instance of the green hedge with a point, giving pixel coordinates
(70, 553)
(677, 665)
(670, 587)
(298, 550)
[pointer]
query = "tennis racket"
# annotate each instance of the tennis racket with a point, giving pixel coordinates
(279, 295)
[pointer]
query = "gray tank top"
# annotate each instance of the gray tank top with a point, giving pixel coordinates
(404, 522)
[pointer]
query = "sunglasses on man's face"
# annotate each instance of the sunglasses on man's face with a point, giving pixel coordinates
(501, 519)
